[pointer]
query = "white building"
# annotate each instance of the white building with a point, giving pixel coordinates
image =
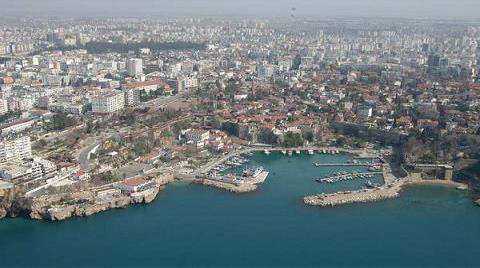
(3, 106)
(134, 67)
(108, 102)
(197, 135)
(16, 127)
(15, 149)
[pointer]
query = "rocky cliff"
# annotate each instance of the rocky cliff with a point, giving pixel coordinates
(78, 204)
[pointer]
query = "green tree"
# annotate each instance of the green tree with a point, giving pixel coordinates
(61, 121)
(231, 128)
(291, 139)
(267, 136)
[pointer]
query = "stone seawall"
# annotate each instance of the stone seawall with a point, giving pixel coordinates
(350, 198)
(236, 188)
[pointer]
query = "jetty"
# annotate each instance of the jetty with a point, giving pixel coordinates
(390, 189)
(347, 197)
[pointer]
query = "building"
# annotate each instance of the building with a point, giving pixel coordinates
(81, 175)
(48, 169)
(134, 67)
(16, 127)
(15, 149)
(15, 172)
(197, 135)
(133, 90)
(3, 106)
(184, 83)
(108, 102)
(135, 184)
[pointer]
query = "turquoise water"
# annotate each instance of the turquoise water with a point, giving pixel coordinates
(194, 225)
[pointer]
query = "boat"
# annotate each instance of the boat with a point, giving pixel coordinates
(373, 168)
(297, 151)
(289, 153)
(310, 152)
(258, 175)
(370, 185)
(284, 152)
(267, 152)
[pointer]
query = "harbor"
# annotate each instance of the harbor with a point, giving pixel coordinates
(254, 215)
(233, 170)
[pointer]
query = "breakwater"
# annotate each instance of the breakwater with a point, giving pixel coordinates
(230, 187)
(347, 197)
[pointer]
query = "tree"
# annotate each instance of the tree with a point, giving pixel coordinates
(307, 134)
(108, 177)
(231, 128)
(62, 121)
(427, 158)
(291, 139)
(341, 141)
(89, 126)
(267, 136)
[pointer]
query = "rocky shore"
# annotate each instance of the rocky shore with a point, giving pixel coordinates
(78, 204)
(3, 212)
(85, 209)
(235, 188)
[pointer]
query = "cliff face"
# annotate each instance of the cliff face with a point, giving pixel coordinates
(79, 204)
(97, 205)
(3, 212)
(144, 197)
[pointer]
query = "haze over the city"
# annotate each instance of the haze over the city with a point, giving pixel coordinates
(461, 9)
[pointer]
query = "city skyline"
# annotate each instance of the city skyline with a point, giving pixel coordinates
(464, 9)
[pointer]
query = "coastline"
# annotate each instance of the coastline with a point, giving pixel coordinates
(85, 203)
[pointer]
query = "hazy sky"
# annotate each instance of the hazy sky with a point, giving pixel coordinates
(459, 9)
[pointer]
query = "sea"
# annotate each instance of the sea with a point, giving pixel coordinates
(191, 225)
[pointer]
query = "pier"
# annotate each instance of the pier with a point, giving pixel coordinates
(350, 176)
(341, 164)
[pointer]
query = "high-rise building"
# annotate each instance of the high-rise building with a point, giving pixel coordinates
(134, 67)
(15, 149)
(108, 102)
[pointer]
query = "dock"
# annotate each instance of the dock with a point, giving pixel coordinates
(349, 176)
(341, 164)
(289, 151)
